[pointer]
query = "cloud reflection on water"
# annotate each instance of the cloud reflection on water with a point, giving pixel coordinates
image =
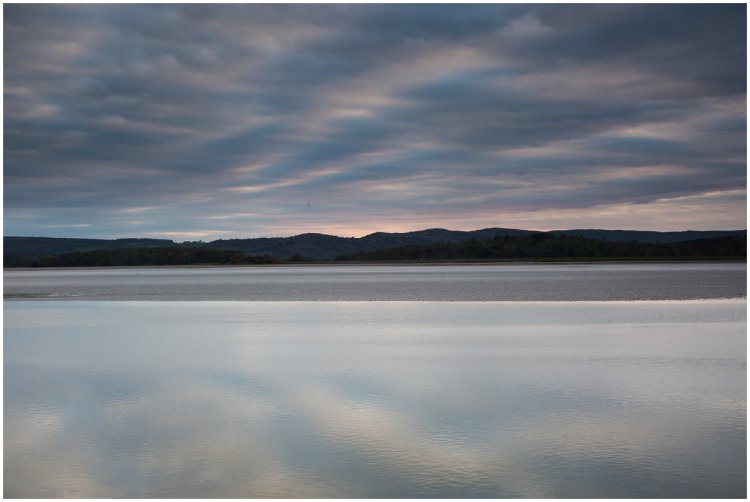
(228, 403)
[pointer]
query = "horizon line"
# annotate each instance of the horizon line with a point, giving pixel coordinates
(378, 232)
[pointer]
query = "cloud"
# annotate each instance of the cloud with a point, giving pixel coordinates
(370, 112)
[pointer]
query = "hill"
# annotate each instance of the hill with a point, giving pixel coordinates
(548, 246)
(36, 247)
(647, 236)
(321, 247)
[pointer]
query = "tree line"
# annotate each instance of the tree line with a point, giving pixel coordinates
(542, 246)
(142, 256)
(546, 246)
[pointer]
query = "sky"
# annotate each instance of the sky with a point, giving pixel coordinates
(199, 121)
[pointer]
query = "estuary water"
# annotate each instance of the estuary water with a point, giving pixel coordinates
(533, 282)
(109, 396)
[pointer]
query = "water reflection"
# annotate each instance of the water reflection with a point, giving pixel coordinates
(485, 282)
(110, 399)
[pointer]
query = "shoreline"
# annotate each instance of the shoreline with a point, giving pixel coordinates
(384, 263)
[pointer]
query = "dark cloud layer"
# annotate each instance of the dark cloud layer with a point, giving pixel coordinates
(202, 121)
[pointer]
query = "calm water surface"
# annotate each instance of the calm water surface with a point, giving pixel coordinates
(188, 399)
(532, 282)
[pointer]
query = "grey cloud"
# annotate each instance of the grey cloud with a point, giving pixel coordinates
(672, 39)
(176, 105)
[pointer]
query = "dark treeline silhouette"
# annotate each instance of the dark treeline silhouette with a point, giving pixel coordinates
(530, 247)
(142, 256)
(321, 247)
(546, 246)
(37, 247)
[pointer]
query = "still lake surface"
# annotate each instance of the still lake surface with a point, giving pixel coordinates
(444, 381)
(533, 282)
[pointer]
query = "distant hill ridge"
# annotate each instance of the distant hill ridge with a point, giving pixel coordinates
(550, 247)
(315, 246)
(649, 237)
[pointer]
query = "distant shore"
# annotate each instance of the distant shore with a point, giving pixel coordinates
(385, 263)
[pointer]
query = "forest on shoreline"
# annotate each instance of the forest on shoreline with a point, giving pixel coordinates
(507, 248)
